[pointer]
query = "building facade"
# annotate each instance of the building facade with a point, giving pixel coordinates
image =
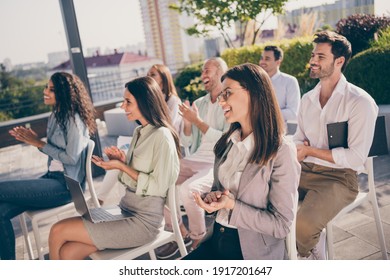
(107, 74)
(332, 13)
(164, 34)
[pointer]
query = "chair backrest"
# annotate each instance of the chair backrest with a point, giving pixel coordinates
(88, 167)
(379, 143)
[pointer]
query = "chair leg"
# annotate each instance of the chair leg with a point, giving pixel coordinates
(379, 228)
(374, 204)
(27, 241)
(152, 255)
(329, 240)
(37, 239)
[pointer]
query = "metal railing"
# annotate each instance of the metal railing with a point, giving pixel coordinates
(107, 90)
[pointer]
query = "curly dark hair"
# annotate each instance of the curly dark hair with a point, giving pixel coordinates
(72, 97)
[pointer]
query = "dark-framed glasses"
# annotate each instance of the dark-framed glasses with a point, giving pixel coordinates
(225, 94)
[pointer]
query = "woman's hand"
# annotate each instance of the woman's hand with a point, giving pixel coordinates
(107, 165)
(27, 135)
(215, 201)
(114, 152)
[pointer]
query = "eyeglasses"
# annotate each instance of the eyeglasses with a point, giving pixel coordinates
(224, 95)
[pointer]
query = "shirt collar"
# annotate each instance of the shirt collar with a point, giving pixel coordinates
(339, 89)
(248, 142)
(277, 75)
(143, 130)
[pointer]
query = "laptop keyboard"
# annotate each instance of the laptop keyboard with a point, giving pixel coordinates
(99, 214)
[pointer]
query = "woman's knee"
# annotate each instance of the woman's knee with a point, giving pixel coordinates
(56, 232)
(61, 229)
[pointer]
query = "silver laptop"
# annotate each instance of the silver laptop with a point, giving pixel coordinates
(95, 215)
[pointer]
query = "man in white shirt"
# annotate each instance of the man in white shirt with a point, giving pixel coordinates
(328, 180)
(204, 123)
(286, 86)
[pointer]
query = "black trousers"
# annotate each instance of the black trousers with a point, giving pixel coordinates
(224, 244)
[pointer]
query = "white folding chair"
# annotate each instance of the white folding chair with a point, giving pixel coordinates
(379, 147)
(291, 242)
(162, 238)
(362, 197)
(37, 216)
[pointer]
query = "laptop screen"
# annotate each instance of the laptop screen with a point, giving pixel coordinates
(77, 195)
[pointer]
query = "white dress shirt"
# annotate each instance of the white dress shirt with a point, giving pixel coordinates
(211, 114)
(288, 94)
(347, 103)
(231, 169)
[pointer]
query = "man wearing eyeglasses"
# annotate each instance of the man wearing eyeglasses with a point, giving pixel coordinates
(286, 86)
(204, 123)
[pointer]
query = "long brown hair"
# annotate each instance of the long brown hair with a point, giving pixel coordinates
(72, 97)
(168, 87)
(152, 105)
(265, 115)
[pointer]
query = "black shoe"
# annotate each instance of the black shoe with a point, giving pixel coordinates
(170, 249)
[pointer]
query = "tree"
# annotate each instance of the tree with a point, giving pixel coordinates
(223, 14)
(19, 98)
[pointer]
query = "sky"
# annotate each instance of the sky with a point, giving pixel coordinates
(29, 29)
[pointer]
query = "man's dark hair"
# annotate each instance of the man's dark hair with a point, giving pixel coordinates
(278, 52)
(340, 45)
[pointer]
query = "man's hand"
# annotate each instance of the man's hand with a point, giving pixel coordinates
(189, 113)
(302, 150)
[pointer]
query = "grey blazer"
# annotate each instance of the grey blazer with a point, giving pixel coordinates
(263, 212)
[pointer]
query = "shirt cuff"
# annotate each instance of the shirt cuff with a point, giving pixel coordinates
(339, 157)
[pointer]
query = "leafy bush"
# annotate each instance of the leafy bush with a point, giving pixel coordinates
(383, 39)
(188, 82)
(370, 70)
(360, 29)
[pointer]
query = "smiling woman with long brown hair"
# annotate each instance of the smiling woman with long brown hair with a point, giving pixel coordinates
(256, 173)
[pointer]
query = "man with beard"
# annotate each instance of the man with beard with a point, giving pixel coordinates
(204, 123)
(328, 180)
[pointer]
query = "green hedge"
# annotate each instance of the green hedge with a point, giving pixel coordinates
(296, 58)
(370, 70)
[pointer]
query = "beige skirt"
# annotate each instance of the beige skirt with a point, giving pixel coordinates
(135, 231)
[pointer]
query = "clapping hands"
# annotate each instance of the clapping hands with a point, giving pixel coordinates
(214, 201)
(26, 135)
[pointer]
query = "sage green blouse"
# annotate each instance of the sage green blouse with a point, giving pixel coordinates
(153, 154)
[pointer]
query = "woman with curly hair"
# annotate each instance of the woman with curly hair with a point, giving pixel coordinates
(69, 126)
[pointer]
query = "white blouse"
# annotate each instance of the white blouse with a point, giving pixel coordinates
(231, 169)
